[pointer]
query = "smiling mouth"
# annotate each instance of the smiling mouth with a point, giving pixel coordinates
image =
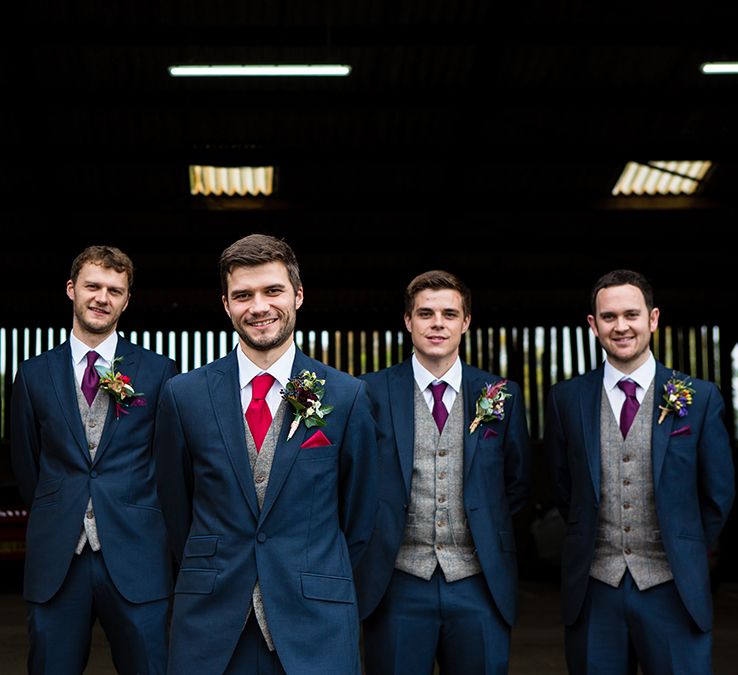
(261, 323)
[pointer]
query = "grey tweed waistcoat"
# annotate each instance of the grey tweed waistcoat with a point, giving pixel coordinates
(436, 531)
(93, 420)
(628, 530)
(261, 467)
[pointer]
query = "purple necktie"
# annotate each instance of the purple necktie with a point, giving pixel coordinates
(91, 378)
(440, 414)
(630, 406)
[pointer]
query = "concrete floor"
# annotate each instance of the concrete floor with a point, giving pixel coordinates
(537, 645)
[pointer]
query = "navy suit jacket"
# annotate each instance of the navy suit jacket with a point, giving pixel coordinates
(316, 519)
(496, 482)
(692, 474)
(56, 477)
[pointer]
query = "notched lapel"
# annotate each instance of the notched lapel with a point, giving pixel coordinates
(471, 441)
(590, 401)
(61, 374)
(129, 365)
(401, 394)
(226, 399)
(286, 451)
(661, 433)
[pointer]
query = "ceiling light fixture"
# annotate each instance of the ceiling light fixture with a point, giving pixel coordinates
(719, 68)
(261, 71)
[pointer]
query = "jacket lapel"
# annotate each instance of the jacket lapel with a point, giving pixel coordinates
(61, 373)
(661, 432)
(286, 451)
(472, 388)
(131, 359)
(401, 392)
(223, 386)
(590, 400)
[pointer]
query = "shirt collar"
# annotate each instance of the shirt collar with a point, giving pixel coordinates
(452, 377)
(106, 349)
(281, 369)
(642, 375)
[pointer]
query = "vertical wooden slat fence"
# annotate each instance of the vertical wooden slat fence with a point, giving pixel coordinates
(536, 357)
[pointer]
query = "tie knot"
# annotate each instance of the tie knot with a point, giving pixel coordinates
(628, 387)
(437, 390)
(91, 358)
(261, 385)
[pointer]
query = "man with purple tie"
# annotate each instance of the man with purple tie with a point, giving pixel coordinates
(641, 462)
(438, 582)
(81, 446)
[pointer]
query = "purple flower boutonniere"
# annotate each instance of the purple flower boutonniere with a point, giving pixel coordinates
(305, 393)
(120, 389)
(678, 396)
(490, 404)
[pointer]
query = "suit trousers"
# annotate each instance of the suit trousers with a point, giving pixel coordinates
(418, 622)
(252, 656)
(60, 630)
(621, 628)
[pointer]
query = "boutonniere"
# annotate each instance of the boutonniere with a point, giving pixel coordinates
(678, 395)
(305, 393)
(490, 404)
(120, 388)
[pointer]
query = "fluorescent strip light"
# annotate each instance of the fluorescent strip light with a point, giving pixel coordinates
(720, 68)
(260, 71)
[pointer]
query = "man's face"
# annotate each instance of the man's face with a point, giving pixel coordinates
(624, 326)
(436, 325)
(262, 306)
(99, 296)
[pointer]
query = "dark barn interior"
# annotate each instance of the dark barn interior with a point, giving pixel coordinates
(471, 136)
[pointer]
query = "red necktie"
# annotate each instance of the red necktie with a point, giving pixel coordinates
(258, 415)
(440, 414)
(91, 378)
(630, 406)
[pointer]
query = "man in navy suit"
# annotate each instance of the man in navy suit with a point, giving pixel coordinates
(82, 458)
(267, 474)
(439, 579)
(643, 473)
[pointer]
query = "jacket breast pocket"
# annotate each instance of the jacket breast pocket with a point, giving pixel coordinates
(313, 454)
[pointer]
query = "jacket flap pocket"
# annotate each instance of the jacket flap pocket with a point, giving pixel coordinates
(196, 581)
(507, 541)
(200, 547)
(332, 589)
(47, 487)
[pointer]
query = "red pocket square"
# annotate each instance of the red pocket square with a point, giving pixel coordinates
(488, 433)
(317, 440)
(684, 431)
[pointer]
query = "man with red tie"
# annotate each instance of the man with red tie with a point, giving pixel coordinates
(641, 462)
(81, 447)
(266, 461)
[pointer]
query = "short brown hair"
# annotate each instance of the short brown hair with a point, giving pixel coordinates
(106, 256)
(258, 249)
(437, 280)
(622, 278)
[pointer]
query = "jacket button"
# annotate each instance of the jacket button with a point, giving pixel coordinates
(261, 537)
(93, 474)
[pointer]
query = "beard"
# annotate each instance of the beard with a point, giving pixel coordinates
(265, 343)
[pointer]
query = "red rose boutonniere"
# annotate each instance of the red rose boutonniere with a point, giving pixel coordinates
(120, 389)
